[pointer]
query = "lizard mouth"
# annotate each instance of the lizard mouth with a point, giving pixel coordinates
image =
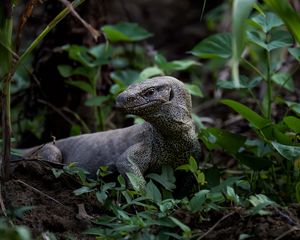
(141, 106)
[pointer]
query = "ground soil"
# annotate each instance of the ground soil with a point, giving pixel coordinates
(55, 209)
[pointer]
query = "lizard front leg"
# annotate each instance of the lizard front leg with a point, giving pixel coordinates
(135, 160)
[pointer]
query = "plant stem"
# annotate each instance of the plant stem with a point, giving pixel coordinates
(269, 85)
(48, 28)
(6, 72)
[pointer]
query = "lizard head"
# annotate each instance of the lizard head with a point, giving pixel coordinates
(149, 96)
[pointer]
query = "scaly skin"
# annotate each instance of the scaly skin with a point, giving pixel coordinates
(167, 137)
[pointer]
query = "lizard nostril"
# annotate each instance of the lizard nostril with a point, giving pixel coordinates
(130, 99)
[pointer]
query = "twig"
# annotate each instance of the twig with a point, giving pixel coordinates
(95, 33)
(57, 111)
(286, 217)
(287, 232)
(38, 191)
(3, 208)
(215, 225)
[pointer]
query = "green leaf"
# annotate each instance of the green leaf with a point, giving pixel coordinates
(125, 32)
(279, 39)
(231, 195)
(295, 107)
(81, 55)
(193, 164)
(267, 22)
(150, 72)
(254, 162)
(295, 53)
(259, 201)
(194, 89)
(152, 192)
(244, 83)
(289, 152)
(166, 178)
(197, 201)
(65, 70)
(178, 65)
(293, 123)
(96, 101)
(256, 120)
(283, 79)
(82, 190)
(182, 226)
(81, 85)
(135, 181)
(240, 12)
(125, 77)
(230, 142)
(215, 46)
(290, 17)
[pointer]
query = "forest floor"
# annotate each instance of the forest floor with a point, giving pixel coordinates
(56, 209)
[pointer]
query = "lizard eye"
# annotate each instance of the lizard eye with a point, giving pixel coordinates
(149, 92)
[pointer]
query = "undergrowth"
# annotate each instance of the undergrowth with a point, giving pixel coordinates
(264, 37)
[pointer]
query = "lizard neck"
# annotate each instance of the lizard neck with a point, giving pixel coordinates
(172, 121)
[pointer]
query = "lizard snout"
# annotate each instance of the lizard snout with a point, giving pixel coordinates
(123, 99)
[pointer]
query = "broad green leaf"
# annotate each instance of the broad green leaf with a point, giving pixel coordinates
(125, 31)
(230, 181)
(278, 39)
(289, 152)
(295, 53)
(178, 65)
(80, 54)
(254, 162)
(96, 101)
(259, 202)
(65, 70)
(215, 46)
(267, 21)
(295, 107)
(256, 38)
(230, 142)
(231, 195)
(101, 196)
(182, 226)
(244, 83)
(152, 192)
(135, 181)
(194, 89)
(283, 79)
(197, 201)
(293, 123)
(193, 164)
(240, 12)
(82, 190)
(125, 77)
(150, 72)
(290, 17)
(101, 52)
(166, 178)
(256, 120)
(82, 85)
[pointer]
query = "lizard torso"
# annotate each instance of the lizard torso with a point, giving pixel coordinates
(167, 137)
